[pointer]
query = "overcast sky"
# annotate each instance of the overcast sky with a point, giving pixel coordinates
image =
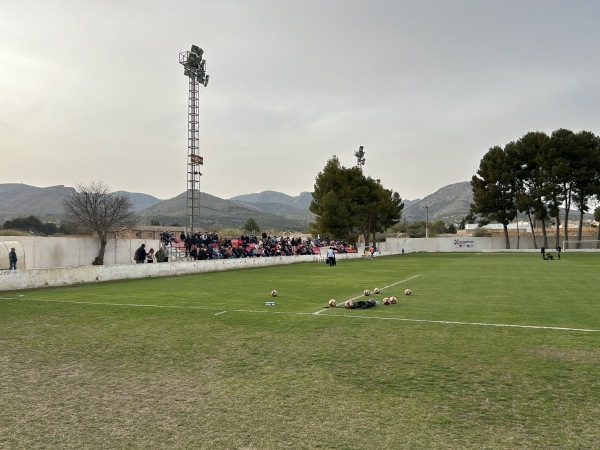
(93, 89)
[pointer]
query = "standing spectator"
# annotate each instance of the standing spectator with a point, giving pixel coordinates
(202, 255)
(331, 257)
(372, 251)
(12, 259)
(543, 251)
(150, 256)
(140, 254)
(188, 244)
(558, 249)
(160, 255)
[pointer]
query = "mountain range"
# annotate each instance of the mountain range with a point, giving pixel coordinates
(270, 209)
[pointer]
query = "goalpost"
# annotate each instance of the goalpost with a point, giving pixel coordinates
(587, 244)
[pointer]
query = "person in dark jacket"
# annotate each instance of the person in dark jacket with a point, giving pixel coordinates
(140, 254)
(12, 259)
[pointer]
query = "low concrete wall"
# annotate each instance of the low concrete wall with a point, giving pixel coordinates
(60, 276)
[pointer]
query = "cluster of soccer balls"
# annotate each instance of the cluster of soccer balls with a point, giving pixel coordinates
(386, 300)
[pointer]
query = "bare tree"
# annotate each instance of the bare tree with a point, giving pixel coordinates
(94, 206)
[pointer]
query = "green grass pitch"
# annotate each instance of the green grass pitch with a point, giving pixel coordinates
(490, 351)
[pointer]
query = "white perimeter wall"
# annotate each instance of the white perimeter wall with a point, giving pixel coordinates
(455, 244)
(60, 276)
(47, 252)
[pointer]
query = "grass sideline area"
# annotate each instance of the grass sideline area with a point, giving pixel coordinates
(490, 351)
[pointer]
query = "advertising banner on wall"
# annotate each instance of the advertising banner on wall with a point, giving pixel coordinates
(464, 243)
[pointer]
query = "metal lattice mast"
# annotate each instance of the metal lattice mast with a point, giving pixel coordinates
(193, 174)
(195, 69)
(360, 157)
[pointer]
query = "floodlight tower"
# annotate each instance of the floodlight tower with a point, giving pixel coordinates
(194, 67)
(360, 157)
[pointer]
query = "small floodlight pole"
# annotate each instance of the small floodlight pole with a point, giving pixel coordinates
(194, 67)
(427, 222)
(360, 157)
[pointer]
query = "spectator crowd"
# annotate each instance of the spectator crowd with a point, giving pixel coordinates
(203, 246)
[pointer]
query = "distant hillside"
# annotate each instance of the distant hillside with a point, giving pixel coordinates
(301, 201)
(216, 211)
(450, 203)
(140, 201)
(271, 202)
(270, 209)
(22, 200)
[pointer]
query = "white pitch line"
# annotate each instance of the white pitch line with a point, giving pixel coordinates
(346, 316)
(361, 296)
(480, 324)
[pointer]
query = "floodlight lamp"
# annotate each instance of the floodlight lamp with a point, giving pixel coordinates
(206, 80)
(197, 50)
(187, 72)
(193, 59)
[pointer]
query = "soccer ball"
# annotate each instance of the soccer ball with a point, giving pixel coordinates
(348, 304)
(393, 300)
(367, 292)
(407, 292)
(377, 291)
(386, 301)
(274, 293)
(332, 303)
(178, 274)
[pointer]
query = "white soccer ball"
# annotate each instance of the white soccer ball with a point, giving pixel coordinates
(348, 304)
(393, 300)
(367, 292)
(332, 303)
(376, 291)
(407, 292)
(178, 274)
(386, 301)
(274, 293)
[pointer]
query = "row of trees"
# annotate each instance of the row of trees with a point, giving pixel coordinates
(539, 175)
(423, 229)
(33, 224)
(348, 204)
